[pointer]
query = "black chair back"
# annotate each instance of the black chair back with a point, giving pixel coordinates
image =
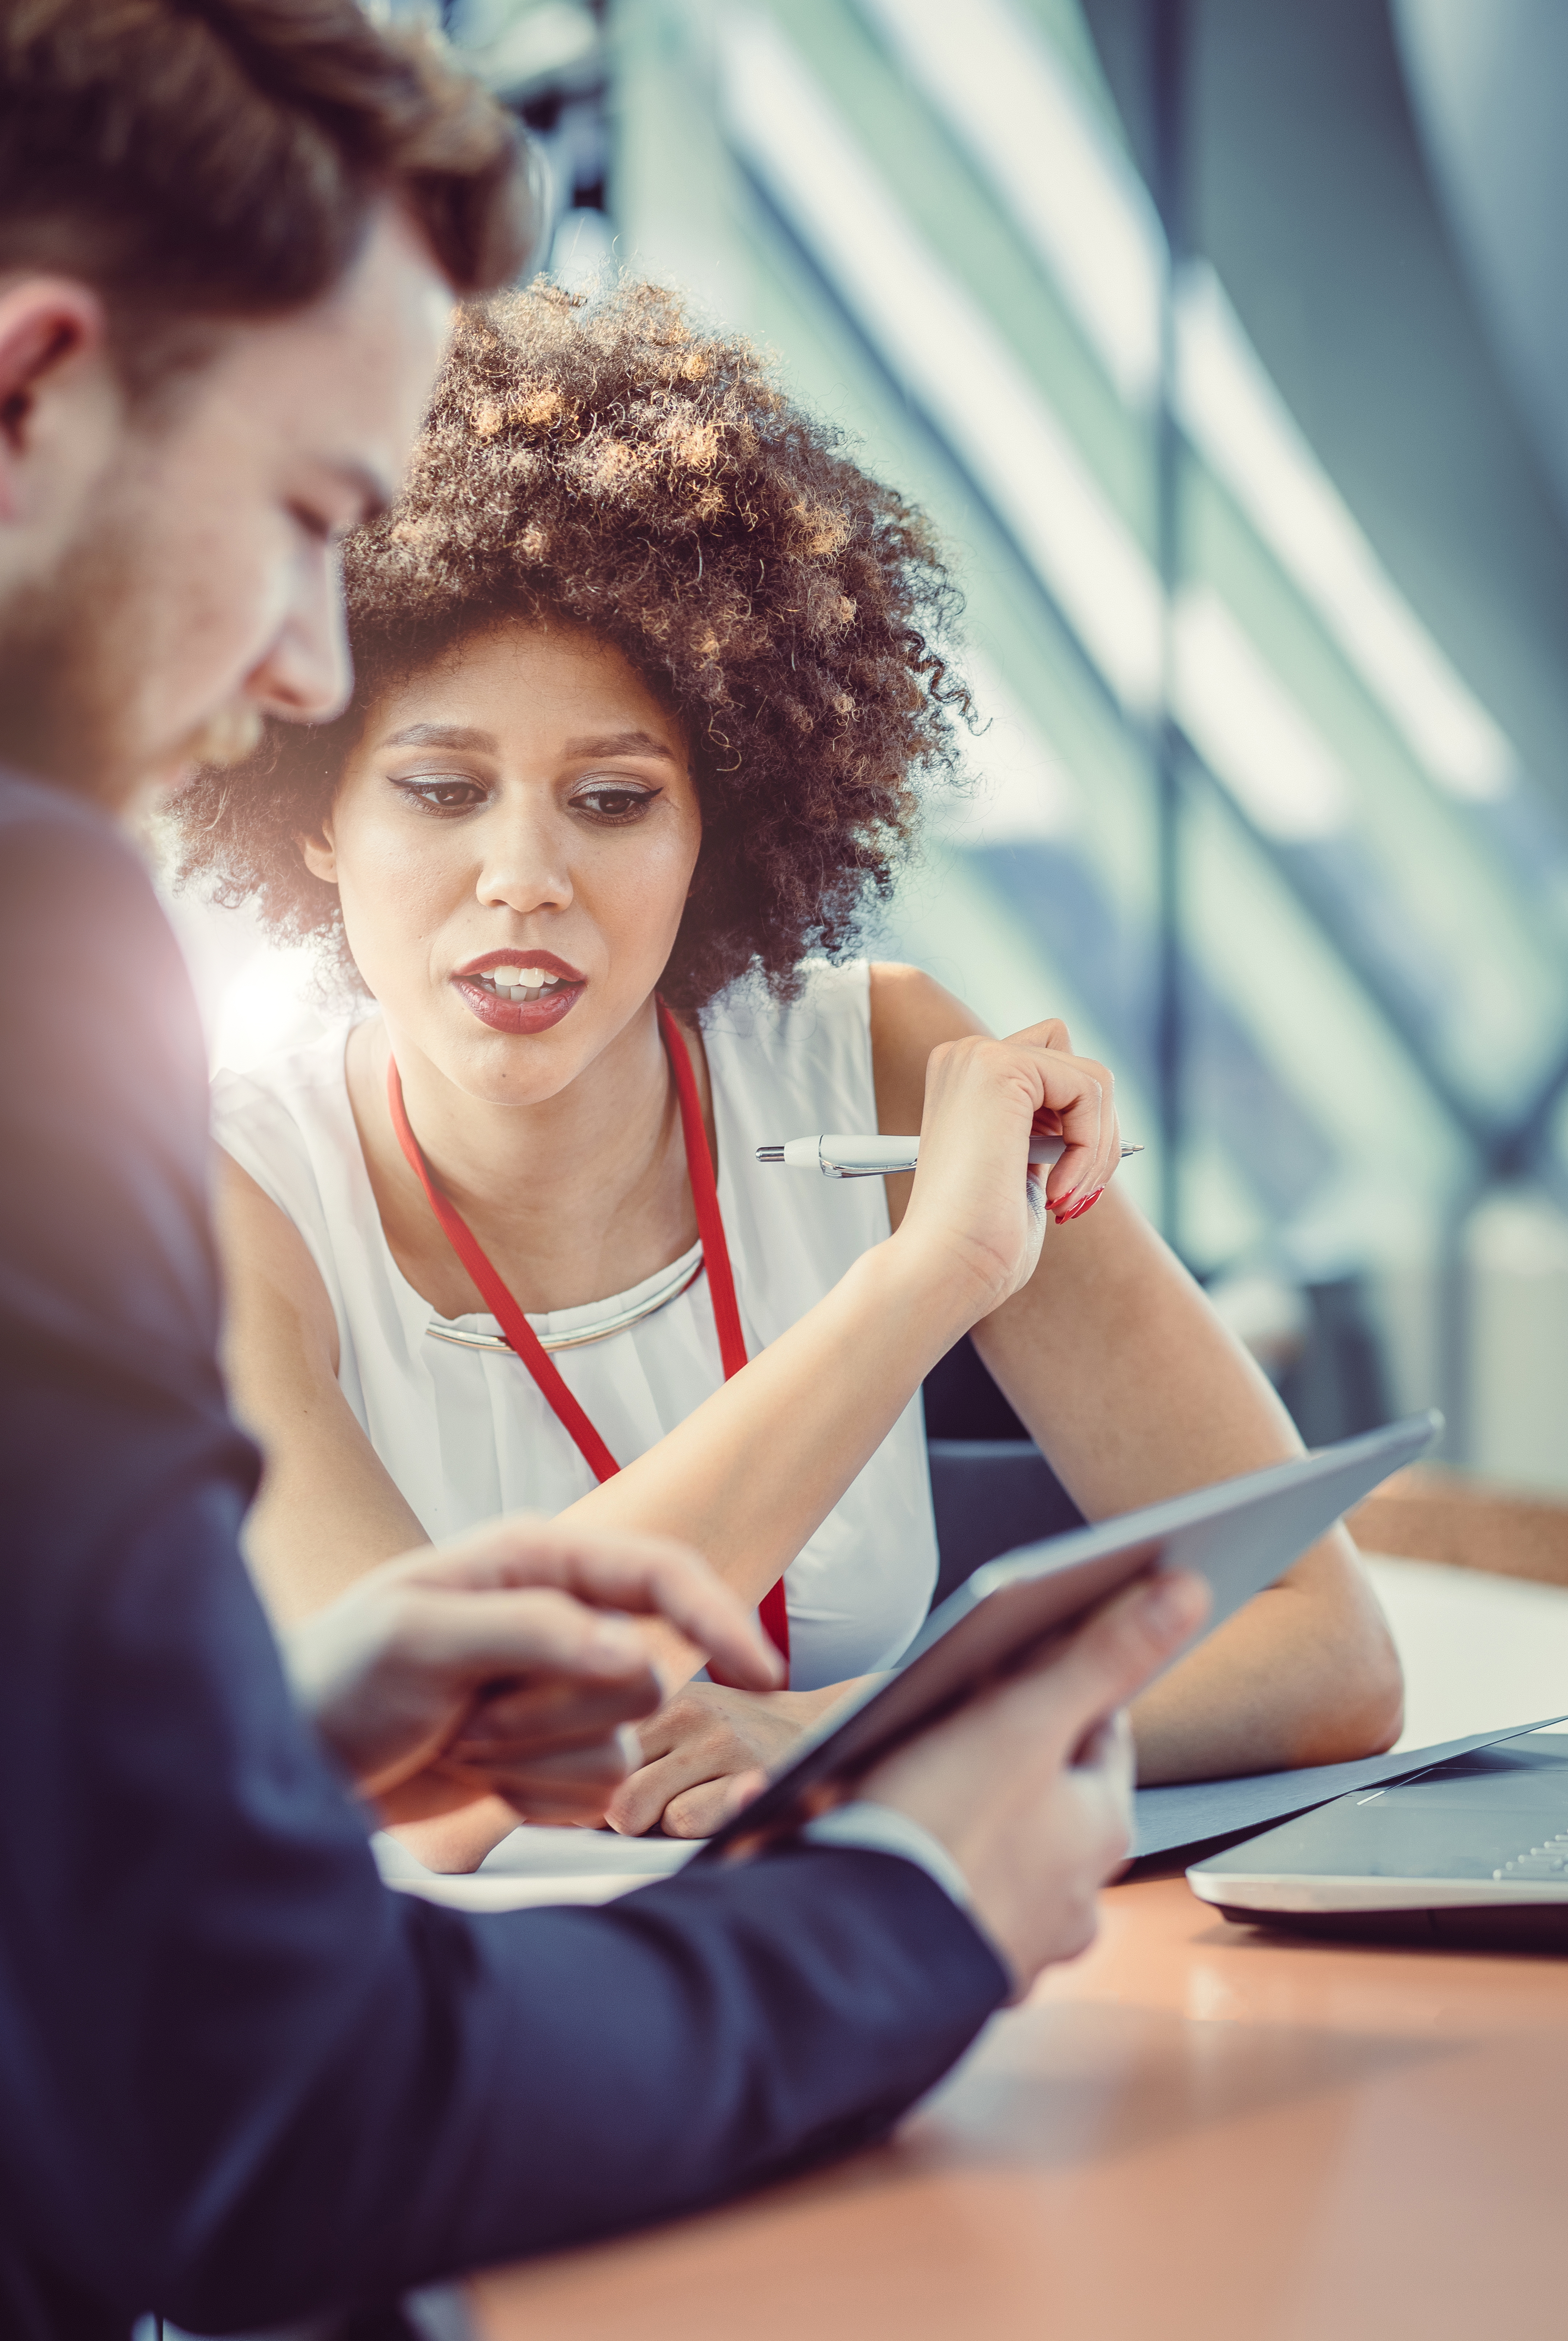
(991, 1494)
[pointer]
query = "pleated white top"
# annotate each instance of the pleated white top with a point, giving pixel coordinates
(465, 1434)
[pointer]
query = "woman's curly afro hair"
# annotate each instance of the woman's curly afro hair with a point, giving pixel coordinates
(608, 465)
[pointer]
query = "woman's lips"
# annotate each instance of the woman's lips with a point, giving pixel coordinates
(518, 1015)
(522, 957)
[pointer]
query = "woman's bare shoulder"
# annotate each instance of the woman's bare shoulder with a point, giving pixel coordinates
(912, 1013)
(264, 1255)
(905, 998)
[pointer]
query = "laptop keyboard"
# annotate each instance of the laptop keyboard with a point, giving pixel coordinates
(1548, 1860)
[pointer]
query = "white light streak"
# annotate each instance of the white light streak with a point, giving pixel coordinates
(1067, 183)
(583, 250)
(1020, 792)
(1249, 730)
(1078, 201)
(1237, 419)
(937, 341)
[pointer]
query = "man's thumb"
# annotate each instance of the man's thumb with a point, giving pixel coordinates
(1128, 1640)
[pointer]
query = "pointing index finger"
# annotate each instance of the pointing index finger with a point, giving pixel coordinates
(651, 1576)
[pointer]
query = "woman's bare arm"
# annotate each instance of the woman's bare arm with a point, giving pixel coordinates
(1134, 1390)
(328, 1507)
(749, 1475)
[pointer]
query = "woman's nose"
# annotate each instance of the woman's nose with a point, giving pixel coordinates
(525, 867)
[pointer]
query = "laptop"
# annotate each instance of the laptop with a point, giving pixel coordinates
(1472, 1852)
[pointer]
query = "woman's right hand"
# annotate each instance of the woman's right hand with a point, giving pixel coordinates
(975, 1208)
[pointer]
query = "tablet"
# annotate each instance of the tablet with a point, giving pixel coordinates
(1239, 1535)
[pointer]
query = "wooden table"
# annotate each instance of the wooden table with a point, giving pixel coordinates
(1195, 2130)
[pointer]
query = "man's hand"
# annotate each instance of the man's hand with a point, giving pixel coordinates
(1029, 1786)
(504, 1664)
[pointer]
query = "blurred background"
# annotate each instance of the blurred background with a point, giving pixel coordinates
(1222, 341)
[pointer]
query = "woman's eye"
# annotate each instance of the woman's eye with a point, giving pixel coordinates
(610, 801)
(441, 795)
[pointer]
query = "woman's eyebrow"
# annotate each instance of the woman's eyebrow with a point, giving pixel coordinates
(441, 735)
(621, 744)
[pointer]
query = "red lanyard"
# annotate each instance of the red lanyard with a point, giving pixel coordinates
(520, 1335)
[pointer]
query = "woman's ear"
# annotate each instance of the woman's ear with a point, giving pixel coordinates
(319, 853)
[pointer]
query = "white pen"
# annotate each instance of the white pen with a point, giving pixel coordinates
(837, 1156)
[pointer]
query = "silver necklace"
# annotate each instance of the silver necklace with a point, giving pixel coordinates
(680, 1278)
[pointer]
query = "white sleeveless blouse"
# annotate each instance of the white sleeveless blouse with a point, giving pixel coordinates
(465, 1434)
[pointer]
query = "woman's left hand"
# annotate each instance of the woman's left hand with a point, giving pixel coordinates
(697, 1745)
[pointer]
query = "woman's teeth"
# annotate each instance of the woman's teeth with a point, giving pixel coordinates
(519, 983)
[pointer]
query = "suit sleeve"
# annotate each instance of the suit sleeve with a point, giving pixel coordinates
(239, 2080)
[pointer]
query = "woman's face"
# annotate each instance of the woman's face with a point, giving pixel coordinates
(511, 842)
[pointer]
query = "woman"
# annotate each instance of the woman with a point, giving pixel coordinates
(645, 684)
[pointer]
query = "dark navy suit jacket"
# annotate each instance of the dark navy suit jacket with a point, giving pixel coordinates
(238, 2081)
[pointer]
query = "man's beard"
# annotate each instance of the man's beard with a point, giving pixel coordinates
(226, 738)
(74, 656)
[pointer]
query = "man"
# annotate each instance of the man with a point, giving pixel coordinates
(240, 2083)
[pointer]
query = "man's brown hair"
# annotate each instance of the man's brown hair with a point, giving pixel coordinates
(204, 160)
